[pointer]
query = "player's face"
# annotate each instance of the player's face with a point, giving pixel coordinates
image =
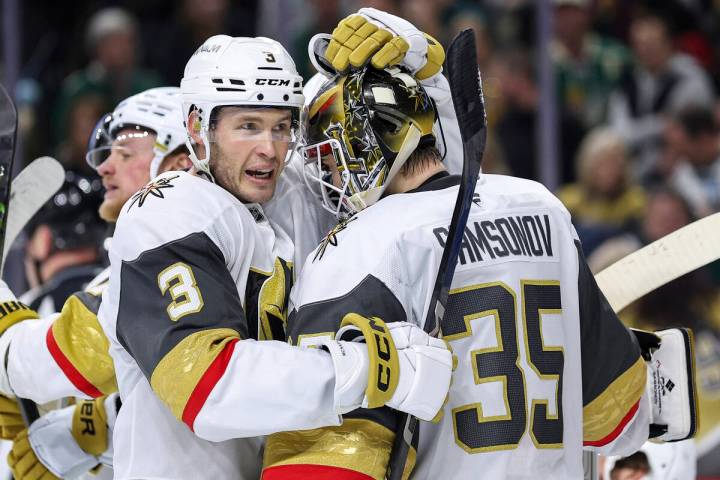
(126, 170)
(247, 150)
(329, 165)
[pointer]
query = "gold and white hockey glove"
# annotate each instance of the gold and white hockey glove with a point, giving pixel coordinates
(671, 389)
(396, 365)
(383, 40)
(12, 312)
(66, 443)
(11, 421)
(24, 463)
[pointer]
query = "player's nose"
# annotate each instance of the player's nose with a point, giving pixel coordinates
(107, 167)
(265, 146)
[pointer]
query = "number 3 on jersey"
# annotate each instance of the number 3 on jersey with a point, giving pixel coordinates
(179, 280)
(475, 431)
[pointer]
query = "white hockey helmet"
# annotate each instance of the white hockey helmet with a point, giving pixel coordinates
(158, 110)
(240, 71)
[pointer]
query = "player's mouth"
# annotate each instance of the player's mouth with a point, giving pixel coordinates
(110, 190)
(260, 176)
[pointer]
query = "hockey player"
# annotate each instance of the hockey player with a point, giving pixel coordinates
(288, 188)
(66, 354)
(539, 350)
(48, 359)
(63, 251)
(177, 310)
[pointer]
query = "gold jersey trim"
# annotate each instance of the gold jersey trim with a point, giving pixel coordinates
(178, 373)
(604, 413)
(358, 444)
(79, 336)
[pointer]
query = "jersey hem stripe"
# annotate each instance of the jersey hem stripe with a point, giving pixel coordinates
(72, 374)
(206, 383)
(316, 472)
(617, 431)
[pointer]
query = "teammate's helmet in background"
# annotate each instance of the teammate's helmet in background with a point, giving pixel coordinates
(370, 121)
(241, 71)
(155, 111)
(72, 214)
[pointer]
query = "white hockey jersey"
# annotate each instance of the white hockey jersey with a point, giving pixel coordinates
(188, 262)
(538, 348)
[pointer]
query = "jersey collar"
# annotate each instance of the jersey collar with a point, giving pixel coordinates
(439, 181)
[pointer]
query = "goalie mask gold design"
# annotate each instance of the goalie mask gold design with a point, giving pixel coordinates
(367, 124)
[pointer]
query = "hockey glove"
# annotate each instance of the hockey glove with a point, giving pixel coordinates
(24, 463)
(11, 421)
(383, 40)
(671, 388)
(66, 442)
(11, 310)
(399, 366)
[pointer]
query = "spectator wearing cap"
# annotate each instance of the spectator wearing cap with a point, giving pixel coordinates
(661, 83)
(111, 75)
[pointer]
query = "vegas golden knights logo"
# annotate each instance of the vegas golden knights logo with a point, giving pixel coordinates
(331, 238)
(153, 188)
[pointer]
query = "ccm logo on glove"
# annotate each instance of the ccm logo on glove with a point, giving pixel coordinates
(382, 342)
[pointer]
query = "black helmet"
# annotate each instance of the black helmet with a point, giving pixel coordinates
(72, 214)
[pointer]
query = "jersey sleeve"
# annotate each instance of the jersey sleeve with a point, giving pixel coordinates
(613, 373)
(62, 355)
(181, 317)
(359, 448)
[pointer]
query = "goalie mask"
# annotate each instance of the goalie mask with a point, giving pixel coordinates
(361, 129)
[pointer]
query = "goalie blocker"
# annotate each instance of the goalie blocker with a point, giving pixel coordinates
(671, 388)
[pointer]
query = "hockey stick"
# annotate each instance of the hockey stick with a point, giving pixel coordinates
(664, 260)
(8, 136)
(8, 132)
(467, 96)
(31, 189)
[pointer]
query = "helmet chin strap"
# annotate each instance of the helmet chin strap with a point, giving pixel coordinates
(203, 165)
(362, 200)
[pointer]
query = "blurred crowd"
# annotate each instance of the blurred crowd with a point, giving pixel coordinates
(637, 86)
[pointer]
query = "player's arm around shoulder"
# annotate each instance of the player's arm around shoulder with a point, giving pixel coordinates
(365, 438)
(174, 303)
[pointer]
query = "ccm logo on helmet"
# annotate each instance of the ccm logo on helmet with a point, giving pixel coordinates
(208, 48)
(272, 81)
